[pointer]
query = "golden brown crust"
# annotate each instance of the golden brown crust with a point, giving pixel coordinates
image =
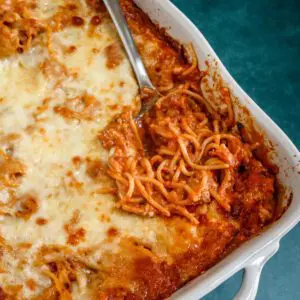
(41, 221)
(17, 27)
(28, 206)
(85, 108)
(114, 56)
(75, 234)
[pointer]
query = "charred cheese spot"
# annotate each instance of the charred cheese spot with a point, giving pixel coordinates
(41, 221)
(77, 161)
(27, 206)
(77, 21)
(53, 69)
(112, 232)
(96, 169)
(17, 27)
(71, 49)
(96, 20)
(85, 108)
(114, 56)
(11, 171)
(75, 234)
(104, 218)
(31, 284)
(114, 107)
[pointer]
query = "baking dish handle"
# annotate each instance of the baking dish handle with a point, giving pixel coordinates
(253, 271)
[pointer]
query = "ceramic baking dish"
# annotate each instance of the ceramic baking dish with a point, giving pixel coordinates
(254, 254)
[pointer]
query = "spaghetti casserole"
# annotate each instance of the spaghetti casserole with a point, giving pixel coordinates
(97, 205)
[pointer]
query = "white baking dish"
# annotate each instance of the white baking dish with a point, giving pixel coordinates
(254, 254)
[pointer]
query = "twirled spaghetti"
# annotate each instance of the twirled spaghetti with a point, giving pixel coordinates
(181, 156)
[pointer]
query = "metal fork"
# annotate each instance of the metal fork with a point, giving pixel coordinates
(144, 82)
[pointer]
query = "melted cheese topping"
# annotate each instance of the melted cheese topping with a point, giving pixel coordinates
(47, 143)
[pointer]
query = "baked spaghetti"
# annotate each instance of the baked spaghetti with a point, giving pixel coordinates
(93, 204)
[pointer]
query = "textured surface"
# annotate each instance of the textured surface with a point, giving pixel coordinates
(259, 43)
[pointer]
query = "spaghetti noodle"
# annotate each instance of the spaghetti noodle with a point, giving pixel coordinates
(180, 157)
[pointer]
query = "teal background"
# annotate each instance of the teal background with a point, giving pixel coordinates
(259, 43)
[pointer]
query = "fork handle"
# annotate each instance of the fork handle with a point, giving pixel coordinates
(115, 10)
